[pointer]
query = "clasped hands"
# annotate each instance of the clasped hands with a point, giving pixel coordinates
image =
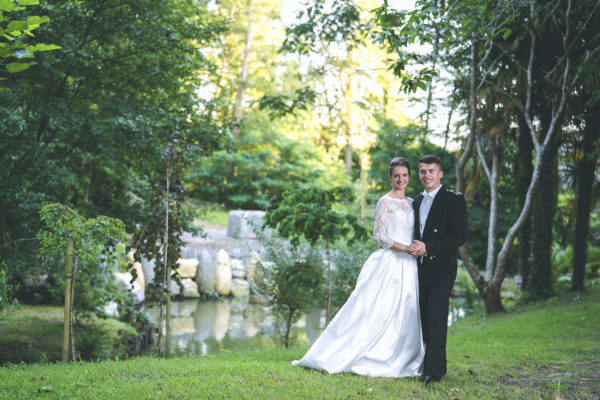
(417, 248)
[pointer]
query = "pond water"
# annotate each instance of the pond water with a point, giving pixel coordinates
(201, 327)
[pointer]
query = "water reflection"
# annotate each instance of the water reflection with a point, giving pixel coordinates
(201, 327)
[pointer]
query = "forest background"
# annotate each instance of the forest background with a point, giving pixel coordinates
(101, 99)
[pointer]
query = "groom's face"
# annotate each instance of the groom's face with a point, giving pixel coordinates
(430, 176)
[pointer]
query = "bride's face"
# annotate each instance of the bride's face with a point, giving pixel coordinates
(399, 177)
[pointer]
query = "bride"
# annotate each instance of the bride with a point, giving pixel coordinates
(378, 331)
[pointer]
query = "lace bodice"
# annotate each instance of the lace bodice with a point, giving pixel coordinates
(394, 220)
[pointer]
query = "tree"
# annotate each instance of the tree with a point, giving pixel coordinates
(490, 52)
(309, 214)
(86, 126)
(84, 238)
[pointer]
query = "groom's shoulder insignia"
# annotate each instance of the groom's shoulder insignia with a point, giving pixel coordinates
(454, 192)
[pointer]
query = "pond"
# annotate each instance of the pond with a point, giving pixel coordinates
(201, 327)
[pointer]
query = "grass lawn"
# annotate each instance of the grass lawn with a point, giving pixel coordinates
(543, 351)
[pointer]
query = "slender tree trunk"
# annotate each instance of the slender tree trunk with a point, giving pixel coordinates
(543, 211)
(523, 173)
(348, 158)
(167, 277)
(586, 171)
(75, 266)
(288, 327)
(67, 313)
(237, 113)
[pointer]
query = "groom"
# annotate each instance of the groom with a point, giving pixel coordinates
(440, 228)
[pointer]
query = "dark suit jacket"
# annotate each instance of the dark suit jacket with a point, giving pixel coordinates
(445, 229)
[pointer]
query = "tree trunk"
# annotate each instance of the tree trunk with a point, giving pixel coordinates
(237, 112)
(543, 211)
(524, 172)
(348, 158)
(586, 171)
(288, 328)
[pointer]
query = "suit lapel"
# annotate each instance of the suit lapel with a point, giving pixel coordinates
(434, 208)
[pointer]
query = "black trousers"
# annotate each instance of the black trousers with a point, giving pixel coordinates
(435, 286)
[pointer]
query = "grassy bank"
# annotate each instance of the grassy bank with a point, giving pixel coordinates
(34, 334)
(546, 351)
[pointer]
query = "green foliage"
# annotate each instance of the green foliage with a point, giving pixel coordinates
(15, 52)
(310, 214)
(7, 299)
(411, 143)
(562, 264)
(293, 279)
(93, 239)
(88, 124)
(255, 175)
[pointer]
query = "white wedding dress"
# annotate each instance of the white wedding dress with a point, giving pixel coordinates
(378, 331)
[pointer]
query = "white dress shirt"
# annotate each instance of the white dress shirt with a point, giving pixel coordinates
(425, 207)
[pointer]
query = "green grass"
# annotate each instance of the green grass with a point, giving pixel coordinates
(34, 334)
(545, 351)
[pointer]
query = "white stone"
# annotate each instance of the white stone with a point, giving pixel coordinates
(223, 273)
(140, 275)
(190, 289)
(124, 279)
(111, 309)
(205, 273)
(241, 224)
(238, 270)
(148, 268)
(252, 267)
(187, 267)
(35, 280)
(240, 287)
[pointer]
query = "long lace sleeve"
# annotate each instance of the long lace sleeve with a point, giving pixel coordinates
(383, 213)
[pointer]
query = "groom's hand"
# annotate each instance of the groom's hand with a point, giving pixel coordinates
(417, 248)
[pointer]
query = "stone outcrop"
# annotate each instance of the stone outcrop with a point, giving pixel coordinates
(187, 267)
(241, 224)
(205, 273)
(223, 274)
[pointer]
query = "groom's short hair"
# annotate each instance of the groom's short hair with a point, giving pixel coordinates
(431, 159)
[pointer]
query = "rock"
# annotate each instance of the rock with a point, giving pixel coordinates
(252, 267)
(241, 224)
(187, 267)
(223, 273)
(238, 270)
(35, 280)
(240, 288)
(190, 289)
(148, 268)
(205, 273)
(140, 275)
(111, 309)
(124, 278)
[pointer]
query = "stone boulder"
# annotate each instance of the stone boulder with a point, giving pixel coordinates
(241, 224)
(223, 274)
(238, 270)
(252, 267)
(240, 288)
(140, 275)
(205, 273)
(148, 268)
(187, 267)
(124, 278)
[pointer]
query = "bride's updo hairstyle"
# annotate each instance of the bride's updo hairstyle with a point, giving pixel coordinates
(399, 162)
